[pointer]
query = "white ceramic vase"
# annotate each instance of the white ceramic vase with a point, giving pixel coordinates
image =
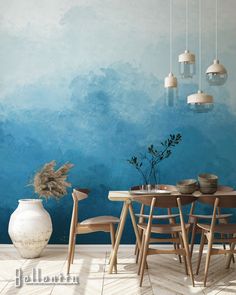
(30, 228)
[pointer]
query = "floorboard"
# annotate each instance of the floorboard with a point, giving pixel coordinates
(165, 275)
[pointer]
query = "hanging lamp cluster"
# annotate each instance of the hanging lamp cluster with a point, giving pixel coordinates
(216, 73)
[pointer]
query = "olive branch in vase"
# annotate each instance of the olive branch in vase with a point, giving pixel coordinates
(147, 164)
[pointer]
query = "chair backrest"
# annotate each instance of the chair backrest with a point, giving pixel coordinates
(168, 187)
(218, 201)
(79, 194)
(224, 188)
(224, 201)
(165, 201)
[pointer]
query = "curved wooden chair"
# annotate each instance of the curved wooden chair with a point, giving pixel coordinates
(90, 225)
(195, 218)
(169, 216)
(177, 231)
(227, 231)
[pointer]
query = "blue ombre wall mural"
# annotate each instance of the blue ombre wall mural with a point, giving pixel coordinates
(82, 81)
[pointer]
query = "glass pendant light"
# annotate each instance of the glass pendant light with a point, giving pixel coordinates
(216, 74)
(171, 89)
(186, 59)
(200, 102)
(171, 81)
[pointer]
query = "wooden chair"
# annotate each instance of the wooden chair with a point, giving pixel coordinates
(169, 216)
(90, 225)
(178, 231)
(227, 231)
(195, 218)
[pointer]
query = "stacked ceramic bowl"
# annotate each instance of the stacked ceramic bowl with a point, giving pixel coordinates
(187, 186)
(208, 183)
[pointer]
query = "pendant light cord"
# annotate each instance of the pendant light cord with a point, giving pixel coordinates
(171, 34)
(216, 32)
(186, 23)
(200, 44)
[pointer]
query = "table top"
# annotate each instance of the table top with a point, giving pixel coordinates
(122, 196)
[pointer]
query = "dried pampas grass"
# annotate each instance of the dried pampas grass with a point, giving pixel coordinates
(51, 183)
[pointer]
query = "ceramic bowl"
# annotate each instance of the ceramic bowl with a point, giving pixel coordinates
(187, 186)
(208, 178)
(208, 183)
(207, 189)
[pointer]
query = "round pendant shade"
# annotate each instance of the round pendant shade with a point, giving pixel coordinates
(216, 74)
(200, 102)
(199, 97)
(187, 57)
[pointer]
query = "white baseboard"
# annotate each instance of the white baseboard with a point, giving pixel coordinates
(81, 247)
(86, 247)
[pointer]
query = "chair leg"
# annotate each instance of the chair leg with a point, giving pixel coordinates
(137, 249)
(226, 220)
(208, 257)
(176, 246)
(70, 249)
(193, 236)
(174, 235)
(230, 256)
(73, 249)
(203, 238)
(222, 237)
(184, 257)
(113, 238)
(141, 253)
(188, 257)
(144, 257)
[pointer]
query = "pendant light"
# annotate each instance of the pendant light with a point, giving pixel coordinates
(200, 102)
(186, 59)
(171, 81)
(216, 73)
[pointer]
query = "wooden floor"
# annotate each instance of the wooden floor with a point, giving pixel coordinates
(165, 275)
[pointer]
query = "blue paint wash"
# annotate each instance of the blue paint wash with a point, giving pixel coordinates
(94, 135)
(99, 117)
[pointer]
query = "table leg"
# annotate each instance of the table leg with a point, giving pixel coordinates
(131, 212)
(119, 235)
(121, 214)
(230, 256)
(117, 229)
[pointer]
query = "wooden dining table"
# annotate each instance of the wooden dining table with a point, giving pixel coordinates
(126, 198)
